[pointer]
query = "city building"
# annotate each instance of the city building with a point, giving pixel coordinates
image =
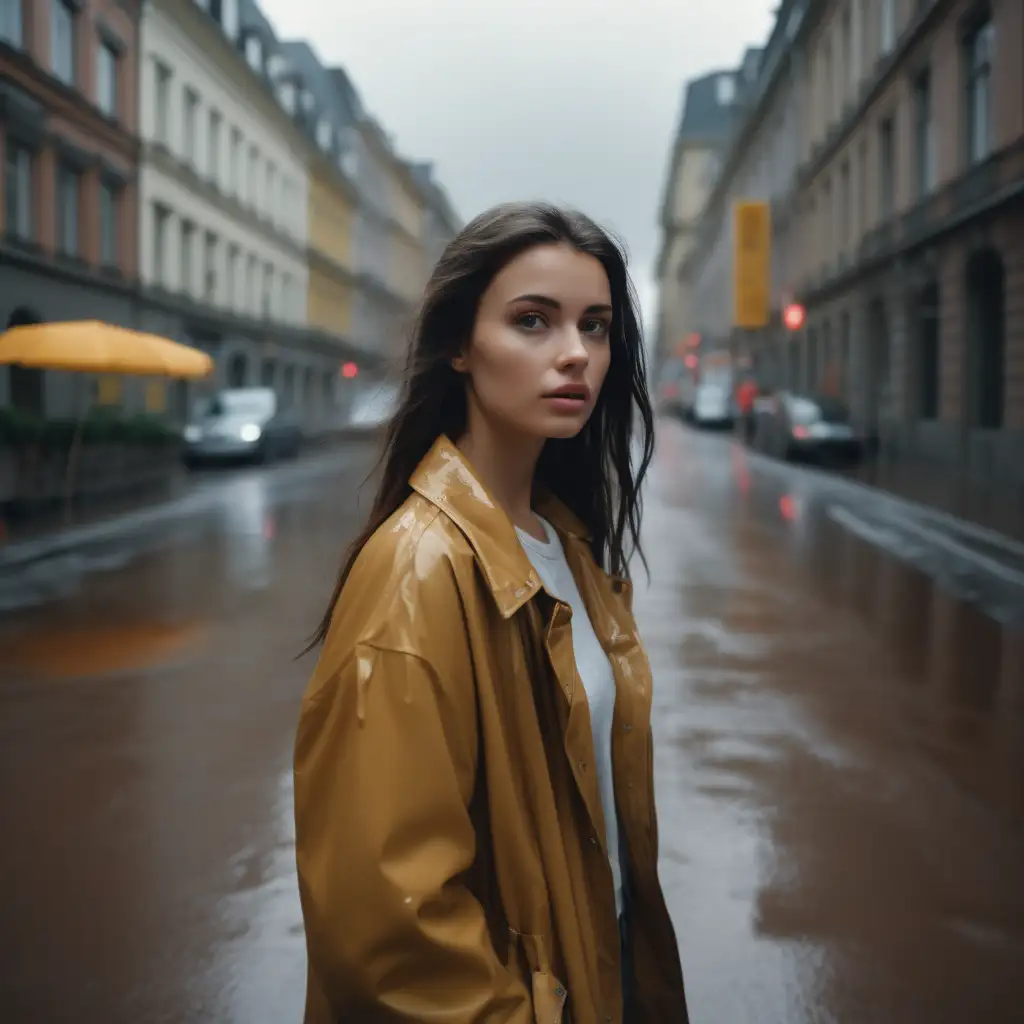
(224, 201)
(911, 207)
(376, 223)
(709, 115)
(899, 228)
(440, 221)
(69, 176)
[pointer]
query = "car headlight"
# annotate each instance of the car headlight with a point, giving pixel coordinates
(250, 432)
(193, 434)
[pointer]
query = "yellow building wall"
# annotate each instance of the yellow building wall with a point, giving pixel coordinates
(330, 302)
(331, 219)
(406, 205)
(408, 266)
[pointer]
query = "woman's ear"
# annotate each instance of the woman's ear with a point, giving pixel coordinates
(459, 364)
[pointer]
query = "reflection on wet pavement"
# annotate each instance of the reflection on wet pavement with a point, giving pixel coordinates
(840, 759)
(841, 744)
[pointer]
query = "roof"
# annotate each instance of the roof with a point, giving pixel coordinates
(342, 106)
(709, 107)
(252, 18)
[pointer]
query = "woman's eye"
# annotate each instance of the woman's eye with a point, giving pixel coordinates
(599, 327)
(530, 321)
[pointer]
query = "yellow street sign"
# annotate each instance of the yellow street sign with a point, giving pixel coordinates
(752, 263)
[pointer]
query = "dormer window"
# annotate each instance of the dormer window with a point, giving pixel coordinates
(276, 66)
(286, 94)
(307, 100)
(254, 53)
(324, 135)
(726, 89)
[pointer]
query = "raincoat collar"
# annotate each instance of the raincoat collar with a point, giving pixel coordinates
(445, 478)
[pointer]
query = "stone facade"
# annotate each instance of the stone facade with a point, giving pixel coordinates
(903, 216)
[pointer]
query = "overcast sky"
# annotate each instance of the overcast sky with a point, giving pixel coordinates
(565, 100)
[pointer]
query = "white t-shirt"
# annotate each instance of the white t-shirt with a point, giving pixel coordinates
(595, 672)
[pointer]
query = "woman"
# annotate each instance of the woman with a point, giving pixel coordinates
(475, 827)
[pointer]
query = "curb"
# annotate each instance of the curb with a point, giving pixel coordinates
(21, 553)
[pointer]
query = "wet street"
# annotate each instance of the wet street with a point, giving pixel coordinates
(839, 713)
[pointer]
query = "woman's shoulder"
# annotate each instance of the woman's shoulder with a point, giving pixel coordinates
(405, 580)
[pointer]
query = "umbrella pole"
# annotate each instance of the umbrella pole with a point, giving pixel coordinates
(73, 455)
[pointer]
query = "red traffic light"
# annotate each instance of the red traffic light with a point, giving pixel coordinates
(349, 370)
(793, 316)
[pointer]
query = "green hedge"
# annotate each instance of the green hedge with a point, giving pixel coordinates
(18, 428)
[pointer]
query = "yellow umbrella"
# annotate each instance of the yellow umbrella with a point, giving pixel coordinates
(91, 346)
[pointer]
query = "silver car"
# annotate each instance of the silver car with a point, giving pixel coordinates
(241, 423)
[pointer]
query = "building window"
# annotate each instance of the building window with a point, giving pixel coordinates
(12, 25)
(844, 208)
(69, 188)
(287, 95)
(162, 94)
(229, 18)
(862, 188)
(161, 232)
(190, 126)
(827, 88)
(18, 198)
(887, 28)
(887, 168)
(62, 40)
(324, 134)
(106, 79)
(254, 174)
(266, 298)
(271, 190)
(109, 223)
(252, 285)
(188, 241)
(979, 49)
(213, 146)
(849, 53)
(210, 267)
(286, 297)
(254, 53)
(235, 158)
(725, 90)
(924, 135)
(231, 280)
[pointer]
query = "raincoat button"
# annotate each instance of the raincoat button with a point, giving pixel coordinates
(582, 766)
(559, 991)
(628, 727)
(593, 840)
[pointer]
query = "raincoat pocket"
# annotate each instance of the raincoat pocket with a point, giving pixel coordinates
(549, 997)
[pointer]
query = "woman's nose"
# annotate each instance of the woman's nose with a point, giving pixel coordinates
(574, 350)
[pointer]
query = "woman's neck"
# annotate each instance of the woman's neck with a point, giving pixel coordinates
(506, 467)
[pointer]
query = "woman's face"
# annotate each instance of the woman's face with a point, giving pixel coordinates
(541, 343)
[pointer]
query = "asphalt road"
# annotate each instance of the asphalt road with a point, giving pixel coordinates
(840, 748)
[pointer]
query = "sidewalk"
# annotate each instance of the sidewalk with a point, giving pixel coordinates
(998, 509)
(189, 494)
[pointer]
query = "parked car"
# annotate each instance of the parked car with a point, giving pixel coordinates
(241, 424)
(812, 427)
(713, 406)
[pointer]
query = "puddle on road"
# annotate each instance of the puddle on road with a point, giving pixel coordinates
(87, 651)
(958, 673)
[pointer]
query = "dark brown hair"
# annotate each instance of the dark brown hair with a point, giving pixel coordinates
(592, 473)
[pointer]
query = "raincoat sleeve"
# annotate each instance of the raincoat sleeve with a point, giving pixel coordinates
(385, 766)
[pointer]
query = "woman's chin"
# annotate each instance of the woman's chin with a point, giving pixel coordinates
(562, 430)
